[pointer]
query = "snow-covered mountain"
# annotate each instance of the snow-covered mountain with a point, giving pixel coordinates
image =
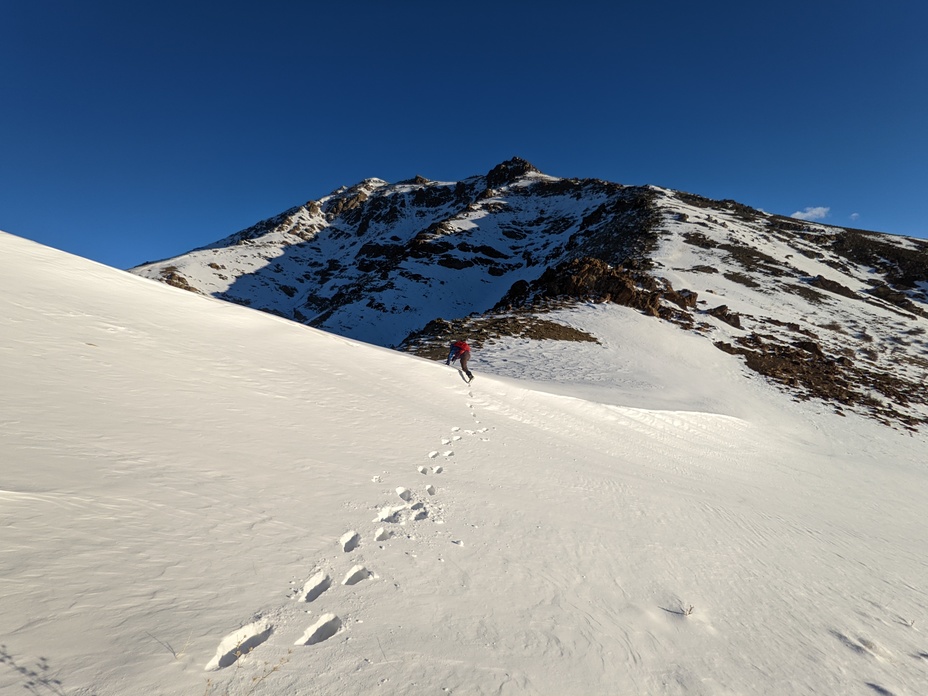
(823, 312)
(370, 261)
(198, 498)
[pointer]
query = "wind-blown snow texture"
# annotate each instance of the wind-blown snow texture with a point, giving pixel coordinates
(825, 313)
(197, 498)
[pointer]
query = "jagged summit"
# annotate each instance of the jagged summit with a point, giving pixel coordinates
(509, 171)
(824, 312)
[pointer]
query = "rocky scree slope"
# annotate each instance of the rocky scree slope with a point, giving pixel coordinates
(823, 312)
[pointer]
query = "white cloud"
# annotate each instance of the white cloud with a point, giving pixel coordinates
(817, 213)
(855, 216)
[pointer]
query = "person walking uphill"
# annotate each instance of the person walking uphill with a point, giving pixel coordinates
(460, 349)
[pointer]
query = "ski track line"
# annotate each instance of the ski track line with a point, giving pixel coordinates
(411, 507)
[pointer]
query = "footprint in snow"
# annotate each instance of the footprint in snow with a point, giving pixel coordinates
(862, 645)
(404, 494)
(390, 514)
(419, 512)
(239, 643)
(326, 627)
(356, 575)
(433, 454)
(349, 541)
(315, 586)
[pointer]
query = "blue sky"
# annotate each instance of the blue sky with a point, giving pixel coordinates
(134, 131)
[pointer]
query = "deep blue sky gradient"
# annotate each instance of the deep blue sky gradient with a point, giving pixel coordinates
(134, 131)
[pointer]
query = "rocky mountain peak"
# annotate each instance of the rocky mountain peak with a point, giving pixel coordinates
(509, 171)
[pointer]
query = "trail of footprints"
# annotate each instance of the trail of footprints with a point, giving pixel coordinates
(412, 505)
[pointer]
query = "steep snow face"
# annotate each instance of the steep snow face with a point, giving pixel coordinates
(197, 498)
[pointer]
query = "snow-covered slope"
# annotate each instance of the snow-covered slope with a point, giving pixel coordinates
(197, 498)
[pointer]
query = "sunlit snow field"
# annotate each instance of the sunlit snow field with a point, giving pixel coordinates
(198, 498)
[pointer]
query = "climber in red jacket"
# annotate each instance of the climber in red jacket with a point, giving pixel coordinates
(460, 349)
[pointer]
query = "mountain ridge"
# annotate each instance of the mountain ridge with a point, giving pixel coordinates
(823, 312)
